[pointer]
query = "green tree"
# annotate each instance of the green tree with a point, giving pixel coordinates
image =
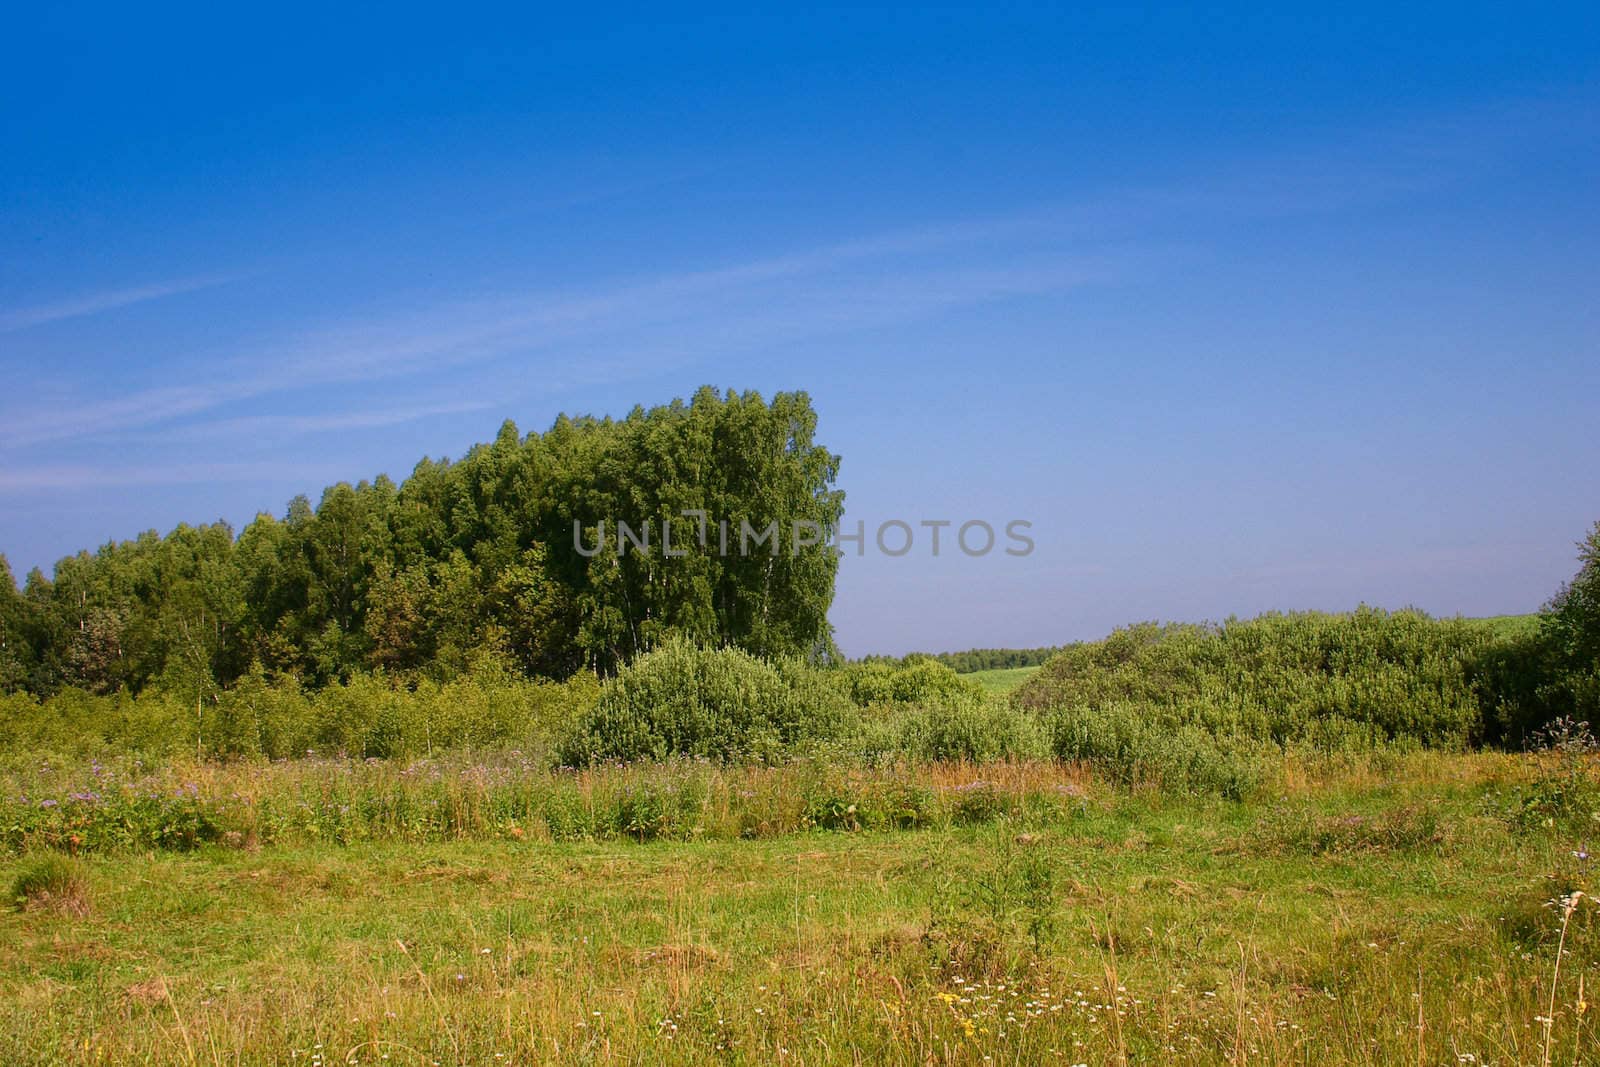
(17, 658)
(537, 622)
(465, 557)
(1570, 629)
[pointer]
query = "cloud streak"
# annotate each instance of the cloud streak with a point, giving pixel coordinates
(337, 422)
(837, 288)
(96, 303)
(577, 337)
(70, 476)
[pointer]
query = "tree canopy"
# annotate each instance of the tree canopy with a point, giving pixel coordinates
(462, 559)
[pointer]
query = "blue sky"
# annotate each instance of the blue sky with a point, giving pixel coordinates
(1243, 309)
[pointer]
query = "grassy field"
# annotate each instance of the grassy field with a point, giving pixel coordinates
(1388, 911)
(1003, 680)
(1509, 626)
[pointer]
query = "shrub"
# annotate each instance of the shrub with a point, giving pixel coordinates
(1366, 677)
(1569, 629)
(51, 882)
(260, 717)
(973, 728)
(1512, 677)
(915, 681)
(1120, 742)
(721, 704)
(366, 716)
(85, 725)
(977, 802)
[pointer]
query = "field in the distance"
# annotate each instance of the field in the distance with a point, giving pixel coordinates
(1386, 912)
(1003, 680)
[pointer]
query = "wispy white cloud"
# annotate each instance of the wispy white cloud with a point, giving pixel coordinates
(487, 326)
(95, 303)
(840, 287)
(569, 337)
(77, 476)
(257, 426)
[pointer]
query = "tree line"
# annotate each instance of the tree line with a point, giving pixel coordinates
(461, 560)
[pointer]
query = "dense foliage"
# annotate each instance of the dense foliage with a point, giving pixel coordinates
(1570, 638)
(479, 554)
(1186, 707)
(1543, 669)
(1331, 680)
(396, 622)
(369, 716)
(725, 705)
(721, 704)
(678, 700)
(910, 681)
(1368, 674)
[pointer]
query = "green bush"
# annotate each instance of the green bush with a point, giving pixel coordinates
(973, 728)
(1367, 677)
(721, 704)
(1122, 743)
(83, 725)
(917, 680)
(366, 716)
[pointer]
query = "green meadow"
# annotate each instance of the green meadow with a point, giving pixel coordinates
(1003, 680)
(402, 779)
(1388, 909)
